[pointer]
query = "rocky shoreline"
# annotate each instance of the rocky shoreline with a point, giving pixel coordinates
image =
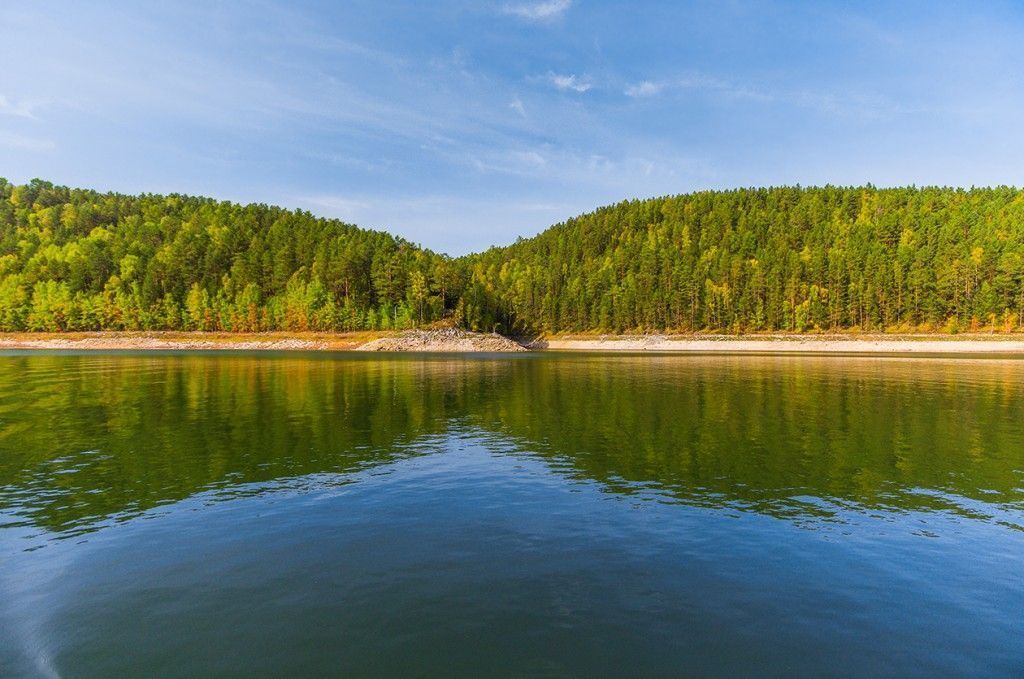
(443, 340)
(446, 340)
(453, 340)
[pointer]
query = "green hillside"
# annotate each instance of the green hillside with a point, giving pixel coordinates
(791, 259)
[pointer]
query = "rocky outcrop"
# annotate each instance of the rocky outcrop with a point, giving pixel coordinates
(442, 340)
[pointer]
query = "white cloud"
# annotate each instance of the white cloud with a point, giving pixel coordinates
(517, 106)
(539, 11)
(644, 89)
(569, 82)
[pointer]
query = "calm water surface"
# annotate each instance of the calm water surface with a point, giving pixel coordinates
(231, 514)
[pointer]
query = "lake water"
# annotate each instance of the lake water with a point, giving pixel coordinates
(545, 514)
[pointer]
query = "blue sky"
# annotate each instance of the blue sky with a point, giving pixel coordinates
(465, 124)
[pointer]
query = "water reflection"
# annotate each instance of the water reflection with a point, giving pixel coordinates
(85, 440)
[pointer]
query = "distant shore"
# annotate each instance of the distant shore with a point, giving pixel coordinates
(791, 344)
(449, 341)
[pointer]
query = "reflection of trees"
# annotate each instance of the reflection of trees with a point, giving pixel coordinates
(760, 431)
(85, 438)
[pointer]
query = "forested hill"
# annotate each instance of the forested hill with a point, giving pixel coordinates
(79, 260)
(790, 259)
(793, 259)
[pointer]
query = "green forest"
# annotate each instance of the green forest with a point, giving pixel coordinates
(747, 260)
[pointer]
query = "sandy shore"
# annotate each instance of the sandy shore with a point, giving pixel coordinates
(792, 344)
(443, 340)
(447, 341)
(186, 341)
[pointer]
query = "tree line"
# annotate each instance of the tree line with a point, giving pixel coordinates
(773, 259)
(74, 259)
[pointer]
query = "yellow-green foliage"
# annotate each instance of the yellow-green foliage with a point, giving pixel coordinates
(791, 259)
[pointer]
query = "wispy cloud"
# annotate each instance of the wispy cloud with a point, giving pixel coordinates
(732, 89)
(451, 222)
(337, 206)
(861, 104)
(645, 88)
(569, 82)
(539, 11)
(20, 109)
(286, 102)
(698, 82)
(13, 140)
(849, 103)
(577, 167)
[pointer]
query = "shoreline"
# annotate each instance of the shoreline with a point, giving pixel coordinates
(859, 344)
(387, 341)
(185, 341)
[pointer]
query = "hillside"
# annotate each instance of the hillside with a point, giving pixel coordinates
(790, 259)
(81, 260)
(779, 259)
